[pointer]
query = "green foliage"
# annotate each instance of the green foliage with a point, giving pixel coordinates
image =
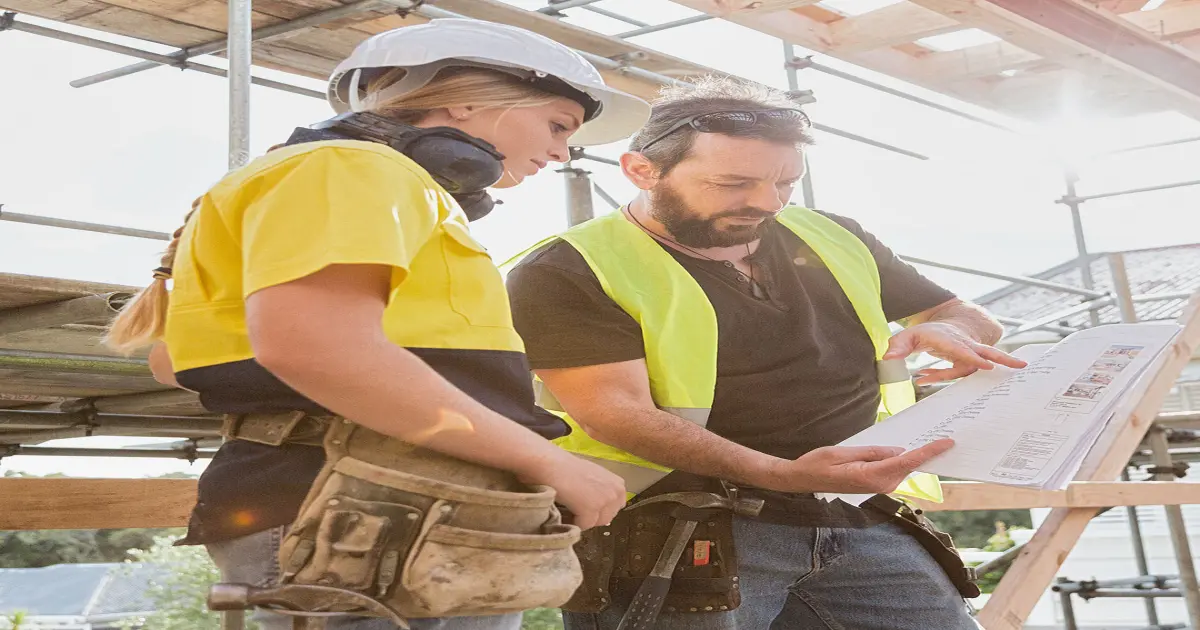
(972, 529)
(179, 595)
(16, 620)
(542, 619)
(40, 548)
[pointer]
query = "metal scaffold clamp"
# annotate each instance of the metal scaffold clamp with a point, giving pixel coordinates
(799, 63)
(7, 20)
(410, 9)
(626, 60)
(1179, 469)
(192, 450)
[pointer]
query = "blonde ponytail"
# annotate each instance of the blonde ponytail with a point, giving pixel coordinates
(140, 323)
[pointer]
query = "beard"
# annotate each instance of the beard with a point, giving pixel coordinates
(668, 208)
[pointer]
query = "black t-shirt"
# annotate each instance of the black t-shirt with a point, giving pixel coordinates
(795, 367)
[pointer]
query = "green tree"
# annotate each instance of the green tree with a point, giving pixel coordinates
(16, 620)
(40, 548)
(974, 528)
(542, 619)
(180, 594)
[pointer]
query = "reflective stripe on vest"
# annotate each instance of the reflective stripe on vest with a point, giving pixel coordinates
(679, 327)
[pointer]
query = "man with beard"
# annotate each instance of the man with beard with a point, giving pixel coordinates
(710, 337)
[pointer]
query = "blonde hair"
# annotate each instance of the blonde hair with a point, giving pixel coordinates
(142, 321)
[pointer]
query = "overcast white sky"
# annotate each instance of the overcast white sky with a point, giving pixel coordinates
(137, 150)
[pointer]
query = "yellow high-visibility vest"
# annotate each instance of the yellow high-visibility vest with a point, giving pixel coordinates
(679, 327)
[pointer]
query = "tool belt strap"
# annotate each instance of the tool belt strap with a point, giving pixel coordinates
(939, 544)
(275, 429)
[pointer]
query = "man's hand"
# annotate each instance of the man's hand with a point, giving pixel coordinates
(851, 469)
(948, 342)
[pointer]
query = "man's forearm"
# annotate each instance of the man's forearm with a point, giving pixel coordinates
(969, 318)
(671, 441)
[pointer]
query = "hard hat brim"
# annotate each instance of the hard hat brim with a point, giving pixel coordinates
(621, 115)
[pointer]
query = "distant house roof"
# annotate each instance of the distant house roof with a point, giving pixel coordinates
(78, 590)
(1172, 269)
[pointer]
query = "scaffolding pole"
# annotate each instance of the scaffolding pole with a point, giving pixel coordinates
(1155, 145)
(800, 63)
(31, 219)
(613, 15)
(1089, 306)
(266, 33)
(1045, 284)
(1132, 191)
(1139, 551)
(1157, 440)
(579, 194)
(155, 58)
(1082, 257)
(654, 28)
(240, 59)
(793, 79)
(58, 451)
(562, 5)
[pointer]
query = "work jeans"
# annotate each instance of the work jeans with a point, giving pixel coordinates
(809, 578)
(253, 560)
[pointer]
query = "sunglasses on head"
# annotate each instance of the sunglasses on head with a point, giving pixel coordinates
(735, 121)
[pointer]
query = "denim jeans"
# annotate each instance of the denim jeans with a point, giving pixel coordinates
(253, 560)
(806, 578)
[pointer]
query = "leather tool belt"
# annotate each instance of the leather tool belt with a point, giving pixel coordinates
(939, 544)
(616, 560)
(275, 429)
(417, 532)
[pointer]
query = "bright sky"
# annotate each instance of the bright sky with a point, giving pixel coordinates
(137, 150)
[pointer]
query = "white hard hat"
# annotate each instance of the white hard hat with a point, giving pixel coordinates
(427, 48)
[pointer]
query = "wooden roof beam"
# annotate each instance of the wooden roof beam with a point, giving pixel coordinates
(803, 31)
(1083, 37)
(983, 60)
(888, 26)
(1170, 22)
(756, 6)
(1123, 6)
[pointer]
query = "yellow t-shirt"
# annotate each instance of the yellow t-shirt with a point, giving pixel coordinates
(303, 207)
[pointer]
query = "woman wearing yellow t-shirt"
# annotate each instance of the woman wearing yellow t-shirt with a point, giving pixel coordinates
(336, 276)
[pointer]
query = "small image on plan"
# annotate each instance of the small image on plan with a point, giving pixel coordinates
(1029, 455)
(1116, 358)
(1128, 352)
(1086, 392)
(1096, 378)
(1109, 365)
(1083, 395)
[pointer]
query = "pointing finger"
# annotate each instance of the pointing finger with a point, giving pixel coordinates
(999, 356)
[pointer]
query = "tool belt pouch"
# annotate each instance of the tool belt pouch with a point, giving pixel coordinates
(938, 543)
(427, 534)
(595, 551)
(706, 577)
